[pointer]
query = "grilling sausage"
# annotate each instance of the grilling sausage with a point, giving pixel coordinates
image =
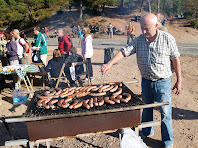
(60, 103)
(78, 105)
(108, 88)
(85, 104)
(103, 87)
(127, 99)
(101, 102)
(95, 100)
(68, 99)
(51, 103)
(52, 93)
(114, 99)
(45, 104)
(95, 89)
(72, 106)
(114, 88)
(39, 103)
(91, 102)
(65, 105)
(43, 97)
(58, 92)
(80, 95)
(118, 92)
(67, 94)
(106, 99)
(97, 94)
(90, 88)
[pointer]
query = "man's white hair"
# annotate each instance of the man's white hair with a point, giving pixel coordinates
(149, 17)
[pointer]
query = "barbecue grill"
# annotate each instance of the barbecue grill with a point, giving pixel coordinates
(46, 124)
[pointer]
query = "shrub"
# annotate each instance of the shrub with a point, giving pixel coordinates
(103, 20)
(194, 23)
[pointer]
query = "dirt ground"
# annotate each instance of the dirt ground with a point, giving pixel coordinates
(185, 111)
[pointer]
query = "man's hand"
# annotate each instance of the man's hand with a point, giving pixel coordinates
(177, 68)
(24, 55)
(64, 52)
(177, 86)
(37, 49)
(5, 50)
(105, 68)
(84, 59)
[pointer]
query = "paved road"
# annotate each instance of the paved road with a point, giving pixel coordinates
(184, 48)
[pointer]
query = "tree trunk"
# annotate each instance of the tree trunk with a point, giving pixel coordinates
(158, 6)
(141, 7)
(122, 4)
(81, 10)
(149, 6)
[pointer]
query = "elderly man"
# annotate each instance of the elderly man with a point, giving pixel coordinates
(160, 18)
(22, 47)
(156, 52)
(64, 44)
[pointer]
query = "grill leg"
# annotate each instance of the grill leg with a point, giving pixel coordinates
(7, 127)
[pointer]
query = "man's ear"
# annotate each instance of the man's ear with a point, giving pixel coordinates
(156, 26)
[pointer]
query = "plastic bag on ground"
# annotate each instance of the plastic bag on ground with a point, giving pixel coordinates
(131, 140)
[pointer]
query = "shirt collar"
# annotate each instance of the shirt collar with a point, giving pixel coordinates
(158, 32)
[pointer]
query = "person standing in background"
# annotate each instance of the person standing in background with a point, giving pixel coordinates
(3, 43)
(41, 44)
(160, 19)
(87, 52)
(46, 32)
(130, 32)
(64, 44)
(79, 31)
(110, 30)
(22, 47)
(11, 50)
(74, 31)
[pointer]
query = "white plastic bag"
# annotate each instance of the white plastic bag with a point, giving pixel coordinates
(131, 140)
(72, 72)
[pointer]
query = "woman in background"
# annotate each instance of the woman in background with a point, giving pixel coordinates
(11, 50)
(87, 52)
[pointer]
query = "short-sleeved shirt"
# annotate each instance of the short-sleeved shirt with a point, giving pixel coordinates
(154, 59)
(20, 49)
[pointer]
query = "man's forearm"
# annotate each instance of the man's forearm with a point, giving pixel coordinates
(116, 58)
(177, 68)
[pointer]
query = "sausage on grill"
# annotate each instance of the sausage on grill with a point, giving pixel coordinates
(91, 102)
(72, 106)
(114, 99)
(95, 100)
(114, 88)
(101, 102)
(85, 104)
(78, 105)
(97, 94)
(118, 92)
(107, 100)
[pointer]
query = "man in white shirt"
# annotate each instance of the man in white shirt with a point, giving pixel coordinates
(22, 47)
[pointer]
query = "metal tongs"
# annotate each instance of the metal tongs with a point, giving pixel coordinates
(102, 79)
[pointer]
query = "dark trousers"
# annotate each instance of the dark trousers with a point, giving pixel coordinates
(129, 36)
(90, 68)
(64, 56)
